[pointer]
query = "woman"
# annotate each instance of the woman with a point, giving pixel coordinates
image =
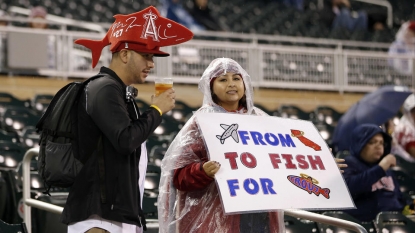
(189, 200)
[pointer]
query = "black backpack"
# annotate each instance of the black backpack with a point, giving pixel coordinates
(59, 159)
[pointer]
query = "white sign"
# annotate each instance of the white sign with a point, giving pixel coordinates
(270, 163)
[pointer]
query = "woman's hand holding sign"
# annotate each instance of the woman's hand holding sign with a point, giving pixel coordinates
(211, 167)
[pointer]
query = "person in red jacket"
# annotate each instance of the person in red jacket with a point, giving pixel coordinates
(189, 200)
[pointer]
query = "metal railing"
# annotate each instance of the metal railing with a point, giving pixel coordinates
(307, 66)
(272, 61)
(30, 202)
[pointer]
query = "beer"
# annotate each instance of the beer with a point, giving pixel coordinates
(162, 87)
(162, 84)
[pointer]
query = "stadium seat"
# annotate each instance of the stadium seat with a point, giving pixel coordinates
(294, 112)
(29, 137)
(393, 222)
(9, 136)
(324, 228)
(12, 228)
(295, 225)
(181, 112)
(405, 181)
(156, 154)
(7, 100)
(14, 119)
(10, 214)
(3, 195)
(407, 167)
(151, 187)
(40, 102)
(263, 109)
(326, 131)
(168, 127)
(11, 153)
(326, 114)
(150, 205)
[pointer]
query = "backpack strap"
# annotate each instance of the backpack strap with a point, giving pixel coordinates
(101, 166)
(100, 150)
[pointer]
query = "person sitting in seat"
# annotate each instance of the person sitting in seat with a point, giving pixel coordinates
(368, 174)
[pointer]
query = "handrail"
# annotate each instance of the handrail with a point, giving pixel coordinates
(30, 202)
(385, 3)
(61, 20)
(326, 220)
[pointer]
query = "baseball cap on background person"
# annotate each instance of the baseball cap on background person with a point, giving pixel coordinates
(406, 33)
(144, 31)
(38, 12)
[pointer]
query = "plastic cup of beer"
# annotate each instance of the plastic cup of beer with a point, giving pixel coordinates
(162, 84)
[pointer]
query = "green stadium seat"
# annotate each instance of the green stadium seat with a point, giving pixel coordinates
(393, 222)
(344, 216)
(296, 225)
(12, 228)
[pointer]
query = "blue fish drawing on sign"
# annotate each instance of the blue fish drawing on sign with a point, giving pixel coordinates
(230, 131)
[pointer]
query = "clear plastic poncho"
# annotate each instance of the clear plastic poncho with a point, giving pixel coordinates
(201, 210)
(404, 132)
(404, 45)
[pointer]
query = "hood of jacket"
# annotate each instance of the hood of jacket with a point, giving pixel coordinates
(361, 136)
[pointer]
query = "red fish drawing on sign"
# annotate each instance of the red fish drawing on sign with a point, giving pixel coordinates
(300, 135)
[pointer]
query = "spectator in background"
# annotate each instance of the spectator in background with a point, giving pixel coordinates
(368, 175)
(38, 16)
(201, 13)
(3, 39)
(397, 149)
(404, 132)
(297, 4)
(404, 44)
(174, 10)
(3, 22)
(336, 14)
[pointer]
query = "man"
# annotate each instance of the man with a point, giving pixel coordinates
(368, 175)
(107, 193)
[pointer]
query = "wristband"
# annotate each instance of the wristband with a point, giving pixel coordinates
(157, 108)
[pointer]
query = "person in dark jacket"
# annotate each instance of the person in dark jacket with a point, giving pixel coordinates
(368, 175)
(107, 194)
(202, 14)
